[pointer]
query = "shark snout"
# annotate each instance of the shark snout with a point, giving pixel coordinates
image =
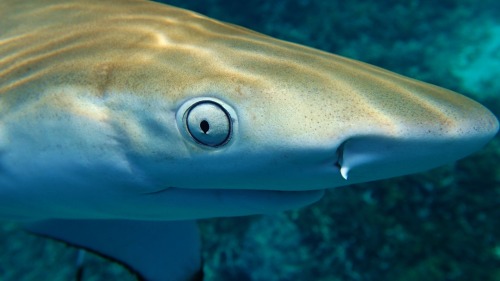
(372, 157)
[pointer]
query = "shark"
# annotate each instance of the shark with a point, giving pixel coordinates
(122, 122)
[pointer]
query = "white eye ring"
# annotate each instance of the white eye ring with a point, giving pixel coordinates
(206, 121)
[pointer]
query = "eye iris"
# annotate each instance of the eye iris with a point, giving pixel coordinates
(208, 123)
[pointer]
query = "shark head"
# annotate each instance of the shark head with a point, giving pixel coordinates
(159, 113)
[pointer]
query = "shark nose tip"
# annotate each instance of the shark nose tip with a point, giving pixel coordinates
(481, 127)
(494, 125)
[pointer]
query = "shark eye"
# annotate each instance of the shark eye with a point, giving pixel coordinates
(208, 123)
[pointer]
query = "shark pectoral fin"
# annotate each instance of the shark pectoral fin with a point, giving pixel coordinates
(155, 250)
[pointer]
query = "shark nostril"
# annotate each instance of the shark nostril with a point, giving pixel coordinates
(344, 170)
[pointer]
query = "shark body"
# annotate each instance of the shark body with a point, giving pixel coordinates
(128, 115)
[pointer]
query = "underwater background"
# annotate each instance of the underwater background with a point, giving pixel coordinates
(440, 225)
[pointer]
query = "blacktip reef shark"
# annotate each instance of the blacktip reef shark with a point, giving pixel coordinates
(122, 122)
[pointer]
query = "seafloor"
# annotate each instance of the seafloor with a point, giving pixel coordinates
(434, 226)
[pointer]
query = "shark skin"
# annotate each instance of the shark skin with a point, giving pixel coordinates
(133, 113)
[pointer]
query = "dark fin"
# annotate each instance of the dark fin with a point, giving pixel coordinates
(155, 250)
(79, 273)
(80, 265)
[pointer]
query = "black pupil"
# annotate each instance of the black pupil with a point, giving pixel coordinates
(204, 126)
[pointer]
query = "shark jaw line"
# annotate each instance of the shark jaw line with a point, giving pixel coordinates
(207, 203)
